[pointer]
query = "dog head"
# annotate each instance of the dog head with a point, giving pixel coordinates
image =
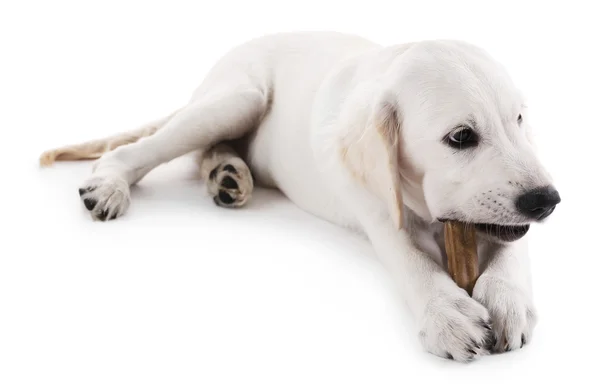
(460, 143)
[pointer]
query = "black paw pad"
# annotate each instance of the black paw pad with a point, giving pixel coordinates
(230, 168)
(229, 183)
(90, 203)
(449, 356)
(225, 198)
(213, 174)
(103, 214)
(523, 341)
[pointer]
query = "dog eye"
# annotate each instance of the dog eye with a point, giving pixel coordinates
(520, 119)
(462, 138)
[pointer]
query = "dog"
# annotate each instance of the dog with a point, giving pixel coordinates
(389, 141)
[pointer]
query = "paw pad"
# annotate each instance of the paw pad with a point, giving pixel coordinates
(90, 203)
(105, 198)
(230, 186)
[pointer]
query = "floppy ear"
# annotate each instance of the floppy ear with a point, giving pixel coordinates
(371, 152)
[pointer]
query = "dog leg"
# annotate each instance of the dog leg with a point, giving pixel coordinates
(451, 324)
(504, 288)
(228, 178)
(211, 118)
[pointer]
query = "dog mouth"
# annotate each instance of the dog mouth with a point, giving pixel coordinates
(506, 233)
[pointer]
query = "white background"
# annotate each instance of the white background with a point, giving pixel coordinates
(182, 292)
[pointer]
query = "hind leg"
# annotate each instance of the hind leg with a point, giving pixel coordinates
(210, 119)
(228, 178)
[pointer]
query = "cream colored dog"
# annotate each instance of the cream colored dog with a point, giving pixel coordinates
(390, 141)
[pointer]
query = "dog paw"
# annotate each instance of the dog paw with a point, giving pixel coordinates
(105, 198)
(456, 327)
(230, 183)
(511, 309)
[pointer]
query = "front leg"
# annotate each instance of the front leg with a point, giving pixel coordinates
(451, 323)
(504, 288)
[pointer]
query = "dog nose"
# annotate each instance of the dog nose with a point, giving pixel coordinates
(538, 203)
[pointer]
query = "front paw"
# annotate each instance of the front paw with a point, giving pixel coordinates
(513, 314)
(456, 326)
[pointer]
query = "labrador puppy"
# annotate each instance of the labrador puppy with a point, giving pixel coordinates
(390, 141)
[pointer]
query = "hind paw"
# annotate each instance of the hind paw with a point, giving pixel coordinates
(105, 198)
(230, 184)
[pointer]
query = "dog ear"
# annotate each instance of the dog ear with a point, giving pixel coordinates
(372, 154)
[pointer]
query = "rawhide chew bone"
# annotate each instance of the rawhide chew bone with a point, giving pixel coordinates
(461, 249)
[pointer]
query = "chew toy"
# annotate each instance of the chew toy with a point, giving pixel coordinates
(461, 249)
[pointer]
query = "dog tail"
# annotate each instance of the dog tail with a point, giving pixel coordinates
(94, 149)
